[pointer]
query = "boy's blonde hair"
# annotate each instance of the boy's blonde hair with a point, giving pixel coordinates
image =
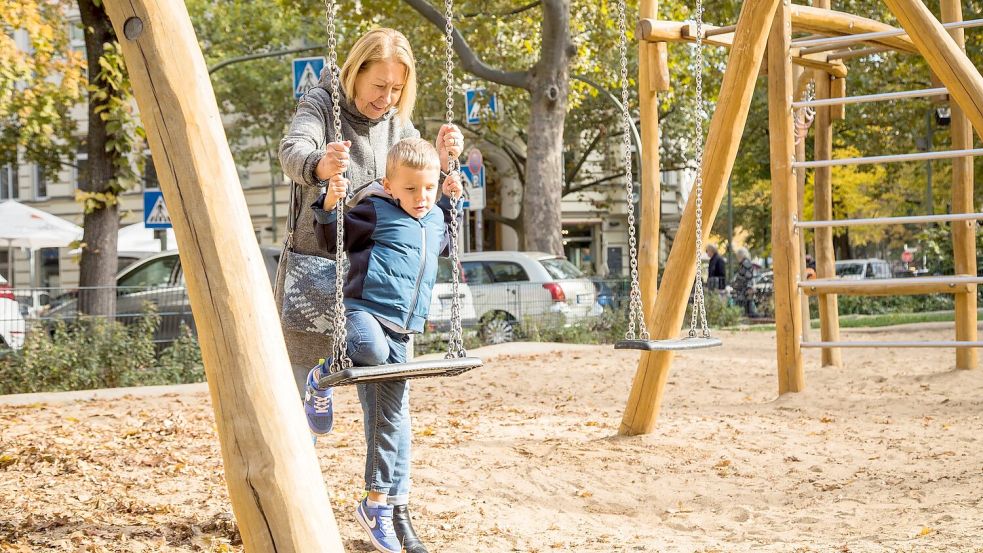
(381, 45)
(415, 153)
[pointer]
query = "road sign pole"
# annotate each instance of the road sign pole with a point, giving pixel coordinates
(478, 231)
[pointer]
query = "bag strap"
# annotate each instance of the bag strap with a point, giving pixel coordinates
(294, 214)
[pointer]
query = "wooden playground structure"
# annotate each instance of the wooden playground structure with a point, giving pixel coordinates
(272, 472)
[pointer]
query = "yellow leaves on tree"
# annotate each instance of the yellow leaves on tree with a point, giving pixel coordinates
(858, 191)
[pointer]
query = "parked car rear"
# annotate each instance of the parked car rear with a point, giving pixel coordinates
(510, 287)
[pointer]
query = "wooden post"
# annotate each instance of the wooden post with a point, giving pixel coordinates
(944, 56)
(723, 140)
(802, 78)
(784, 205)
(274, 479)
(829, 318)
(963, 233)
(650, 78)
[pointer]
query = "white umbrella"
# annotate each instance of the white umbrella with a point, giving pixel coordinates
(22, 226)
(138, 238)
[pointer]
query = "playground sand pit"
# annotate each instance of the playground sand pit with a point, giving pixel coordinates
(880, 455)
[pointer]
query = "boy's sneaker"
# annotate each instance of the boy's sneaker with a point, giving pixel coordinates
(378, 522)
(318, 405)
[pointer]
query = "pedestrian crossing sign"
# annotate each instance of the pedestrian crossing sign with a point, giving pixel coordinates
(155, 213)
(307, 72)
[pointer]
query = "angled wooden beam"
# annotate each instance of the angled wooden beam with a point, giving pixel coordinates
(726, 129)
(815, 19)
(784, 205)
(275, 484)
(944, 57)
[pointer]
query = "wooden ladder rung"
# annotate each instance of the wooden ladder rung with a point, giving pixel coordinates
(958, 284)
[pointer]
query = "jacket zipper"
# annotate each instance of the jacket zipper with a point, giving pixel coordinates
(419, 277)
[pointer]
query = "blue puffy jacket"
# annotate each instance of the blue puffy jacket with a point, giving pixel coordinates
(393, 255)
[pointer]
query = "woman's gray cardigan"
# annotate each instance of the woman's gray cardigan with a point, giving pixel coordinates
(300, 151)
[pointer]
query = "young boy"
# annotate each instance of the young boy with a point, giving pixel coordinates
(393, 236)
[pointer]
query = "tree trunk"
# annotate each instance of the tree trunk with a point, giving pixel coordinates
(101, 226)
(550, 85)
(841, 244)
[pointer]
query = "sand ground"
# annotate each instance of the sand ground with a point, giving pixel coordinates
(882, 454)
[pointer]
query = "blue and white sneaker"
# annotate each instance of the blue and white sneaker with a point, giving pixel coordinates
(318, 405)
(378, 522)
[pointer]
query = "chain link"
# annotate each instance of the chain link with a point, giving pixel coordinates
(340, 360)
(699, 305)
(455, 346)
(636, 310)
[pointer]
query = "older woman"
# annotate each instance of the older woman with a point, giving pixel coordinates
(378, 92)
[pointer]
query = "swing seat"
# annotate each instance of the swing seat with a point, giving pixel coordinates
(401, 371)
(678, 344)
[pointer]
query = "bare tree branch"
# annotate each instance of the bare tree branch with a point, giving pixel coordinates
(469, 60)
(515, 11)
(580, 164)
(597, 182)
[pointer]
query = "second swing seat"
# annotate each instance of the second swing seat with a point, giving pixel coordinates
(677, 344)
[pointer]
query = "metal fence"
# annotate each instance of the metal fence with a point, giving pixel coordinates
(586, 310)
(27, 310)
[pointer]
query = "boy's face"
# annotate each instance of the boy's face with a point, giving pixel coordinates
(414, 189)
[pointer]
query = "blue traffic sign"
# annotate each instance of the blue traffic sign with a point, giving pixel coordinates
(307, 72)
(477, 100)
(155, 213)
(474, 188)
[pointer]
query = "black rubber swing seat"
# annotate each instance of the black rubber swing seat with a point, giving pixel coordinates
(678, 344)
(401, 371)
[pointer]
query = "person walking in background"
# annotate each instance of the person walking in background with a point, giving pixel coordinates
(742, 284)
(716, 270)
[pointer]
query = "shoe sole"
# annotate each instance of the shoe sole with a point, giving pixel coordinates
(359, 516)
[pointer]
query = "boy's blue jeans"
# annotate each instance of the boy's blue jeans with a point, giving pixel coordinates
(385, 407)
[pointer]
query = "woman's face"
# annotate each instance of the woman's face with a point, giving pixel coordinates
(378, 87)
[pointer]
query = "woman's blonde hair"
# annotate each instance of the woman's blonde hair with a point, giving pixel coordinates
(381, 45)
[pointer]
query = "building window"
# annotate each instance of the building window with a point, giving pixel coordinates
(40, 183)
(76, 36)
(81, 166)
(8, 182)
(150, 174)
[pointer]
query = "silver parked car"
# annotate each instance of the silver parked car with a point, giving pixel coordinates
(158, 280)
(510, 287)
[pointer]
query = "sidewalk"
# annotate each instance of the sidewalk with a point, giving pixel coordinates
(487, 353)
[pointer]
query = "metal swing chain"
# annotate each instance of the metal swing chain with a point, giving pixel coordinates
(636, 312)
(699, 305)
(455, 346)
(340, 360)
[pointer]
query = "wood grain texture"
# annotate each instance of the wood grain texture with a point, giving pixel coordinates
(274, 479)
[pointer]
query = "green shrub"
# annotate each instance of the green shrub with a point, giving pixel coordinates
(880, 305)
(92, 352)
